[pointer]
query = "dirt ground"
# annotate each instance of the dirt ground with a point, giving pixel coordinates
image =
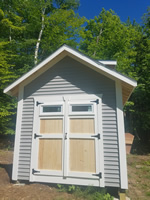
(138, 175)
(14, 191)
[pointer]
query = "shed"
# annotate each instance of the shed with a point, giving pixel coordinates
(70, 125)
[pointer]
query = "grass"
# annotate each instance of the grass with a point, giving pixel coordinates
(139, 177)
(148, 194)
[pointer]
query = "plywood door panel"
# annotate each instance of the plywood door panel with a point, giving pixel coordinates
(82, 126)
(51, 126)
(82, 155)
(50, 154)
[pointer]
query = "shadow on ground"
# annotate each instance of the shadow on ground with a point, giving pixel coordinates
(8, 169)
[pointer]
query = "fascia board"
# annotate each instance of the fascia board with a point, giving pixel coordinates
(75, 53)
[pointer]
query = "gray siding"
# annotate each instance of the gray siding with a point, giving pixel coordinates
(26, 140)
(70, 77)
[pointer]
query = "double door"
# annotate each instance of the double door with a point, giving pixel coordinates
(67, 138)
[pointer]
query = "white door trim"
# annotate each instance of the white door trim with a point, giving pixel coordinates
(65, 156)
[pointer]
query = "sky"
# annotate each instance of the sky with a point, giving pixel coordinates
(123, 8)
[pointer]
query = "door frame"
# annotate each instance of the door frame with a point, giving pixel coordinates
(65, 99)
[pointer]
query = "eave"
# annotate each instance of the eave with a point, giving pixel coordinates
(127, 84)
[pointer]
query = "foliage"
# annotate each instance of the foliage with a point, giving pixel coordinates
(7, 104)
(61, 27)
(30, 30)
(66, 188)
(106, 37)
(140, 118)
(21, 22)
(88, 193)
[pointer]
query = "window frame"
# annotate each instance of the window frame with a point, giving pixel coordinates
(53, 104)
(80, 113)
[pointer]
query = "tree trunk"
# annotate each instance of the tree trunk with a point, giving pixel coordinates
(97, 40)
(39, 38)
(10, 34)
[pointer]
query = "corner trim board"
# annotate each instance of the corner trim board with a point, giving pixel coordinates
(121, 137)
(17, 135)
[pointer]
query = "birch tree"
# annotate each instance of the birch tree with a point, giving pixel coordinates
(28, 34)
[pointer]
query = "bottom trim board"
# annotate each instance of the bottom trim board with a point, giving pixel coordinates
(67, 180)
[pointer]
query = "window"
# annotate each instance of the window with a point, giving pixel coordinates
(82, 108)
(50, 109)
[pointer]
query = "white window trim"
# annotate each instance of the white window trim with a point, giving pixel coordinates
(80, 112)
(51, 113)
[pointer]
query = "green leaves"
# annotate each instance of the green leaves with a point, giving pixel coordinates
(30, 30)
(106, 37)
(62, 26)
(41, 26)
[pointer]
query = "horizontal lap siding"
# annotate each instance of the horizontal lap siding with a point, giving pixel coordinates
(70, 77)
(26, 140)
(110, 142)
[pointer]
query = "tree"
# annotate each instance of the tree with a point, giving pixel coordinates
(29, 31)
(106, 37)
(37, 17)
(140, 115)
(7, 104)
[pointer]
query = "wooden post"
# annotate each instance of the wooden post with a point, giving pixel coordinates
(122, 195)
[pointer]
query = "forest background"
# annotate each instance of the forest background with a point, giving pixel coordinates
(30, 30)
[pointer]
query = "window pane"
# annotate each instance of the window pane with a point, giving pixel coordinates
(51, 109)
(82, 108)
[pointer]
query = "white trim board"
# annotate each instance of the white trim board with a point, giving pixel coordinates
(68, 180)
(64, 51)
(121, 137)
(108, 62)
(17, 134)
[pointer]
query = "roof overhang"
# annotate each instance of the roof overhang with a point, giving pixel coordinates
(127, 84)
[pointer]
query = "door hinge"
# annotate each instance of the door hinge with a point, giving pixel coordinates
(96, 101)
(99, 174)
(35, 135)
(38, 103)
(35, 171)
(97, 136)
